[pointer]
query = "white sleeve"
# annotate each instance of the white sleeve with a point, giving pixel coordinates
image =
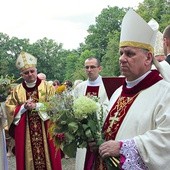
(18, 116)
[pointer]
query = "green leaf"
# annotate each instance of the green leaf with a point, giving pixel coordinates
(69, 137)
(73, 126)
(88, 133)
(83, 145)
(70, 149)
(85, 126)
(93, 125)
(63, 122)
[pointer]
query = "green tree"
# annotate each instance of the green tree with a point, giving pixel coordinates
(110, 60)
(4, 38)
(79, 73)
(108, 21)
(9, 50)
(102, 42)
(15, 46)
(71, 62)
(157, 9)
(51, 58)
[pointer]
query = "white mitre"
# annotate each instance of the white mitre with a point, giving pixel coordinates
(158, 49)
(25, 60)
(163, 66)
(136, 32)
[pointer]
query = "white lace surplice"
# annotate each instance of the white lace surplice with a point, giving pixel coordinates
(133, 160)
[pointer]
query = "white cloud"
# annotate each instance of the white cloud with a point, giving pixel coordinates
(64, 21)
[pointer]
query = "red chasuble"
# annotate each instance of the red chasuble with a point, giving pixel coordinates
(37, 138)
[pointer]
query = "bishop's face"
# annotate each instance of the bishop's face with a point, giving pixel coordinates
(29, 74)
(134, 62)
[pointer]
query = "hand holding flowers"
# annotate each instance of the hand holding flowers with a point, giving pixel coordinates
(75, 121)
(109, 150)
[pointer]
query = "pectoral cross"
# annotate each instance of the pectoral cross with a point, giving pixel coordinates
(112, 121)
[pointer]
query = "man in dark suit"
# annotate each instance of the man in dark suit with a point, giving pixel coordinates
(166, 43)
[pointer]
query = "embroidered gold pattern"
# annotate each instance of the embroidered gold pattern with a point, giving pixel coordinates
(117, 113)
(36, 137)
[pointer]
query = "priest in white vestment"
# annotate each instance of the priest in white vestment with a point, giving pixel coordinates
(93, 86)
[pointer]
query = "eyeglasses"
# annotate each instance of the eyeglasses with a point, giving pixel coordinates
(29, 71)
(91, 67)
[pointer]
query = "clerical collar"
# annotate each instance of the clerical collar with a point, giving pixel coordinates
(133, 83)
(96, 82)
(168, 54)
(30, 85)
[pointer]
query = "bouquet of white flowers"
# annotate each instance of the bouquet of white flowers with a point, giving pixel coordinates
(75, 121)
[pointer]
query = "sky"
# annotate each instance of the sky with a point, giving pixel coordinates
(64, 21)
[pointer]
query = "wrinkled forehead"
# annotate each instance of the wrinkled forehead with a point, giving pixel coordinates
(28, 69)
(129, 48)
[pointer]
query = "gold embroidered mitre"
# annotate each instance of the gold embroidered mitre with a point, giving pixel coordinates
(25, 60)
(158, 49)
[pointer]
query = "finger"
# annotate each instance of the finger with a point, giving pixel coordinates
(104, 154)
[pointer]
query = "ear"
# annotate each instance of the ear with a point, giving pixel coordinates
(149, 58)
(166, 41)
(100, 68)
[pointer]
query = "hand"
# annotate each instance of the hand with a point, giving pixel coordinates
(109, 148)
(30, 105)
(92, 145)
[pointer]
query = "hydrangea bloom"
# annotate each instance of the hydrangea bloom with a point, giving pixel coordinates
(84, 106)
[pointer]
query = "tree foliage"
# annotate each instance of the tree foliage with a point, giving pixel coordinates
(71, 63)
(108, 21)
(157, 9)
(102, 42)
(51, 58)
(110, 61)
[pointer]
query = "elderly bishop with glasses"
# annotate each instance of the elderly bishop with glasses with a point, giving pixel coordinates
(28, 125)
